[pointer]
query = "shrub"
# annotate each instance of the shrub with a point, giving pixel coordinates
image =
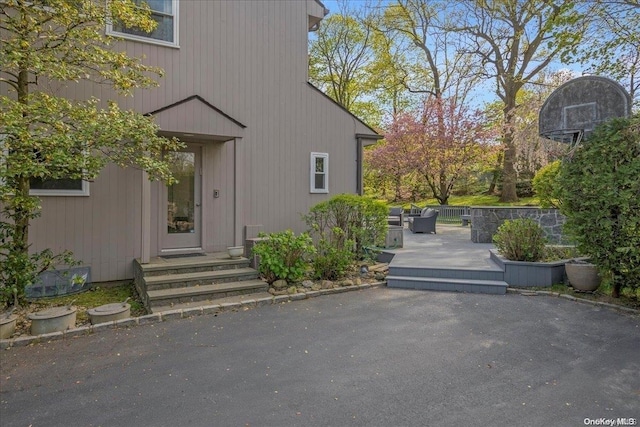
(520, 240)
(600, 192)
(361, 221)
(283, 255)
(330, 262)
(546, 185)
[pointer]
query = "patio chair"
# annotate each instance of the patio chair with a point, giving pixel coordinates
(425, 223)
(396, 216)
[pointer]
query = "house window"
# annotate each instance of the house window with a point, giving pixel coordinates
(58, 187)
(49, 187)
(164, 12)
(319, 173)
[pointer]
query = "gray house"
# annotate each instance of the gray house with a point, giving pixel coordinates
(263, 145)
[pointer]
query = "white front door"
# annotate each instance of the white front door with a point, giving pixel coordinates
(181, 213)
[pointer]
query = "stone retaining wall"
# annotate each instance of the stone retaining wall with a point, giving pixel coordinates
(485, 221)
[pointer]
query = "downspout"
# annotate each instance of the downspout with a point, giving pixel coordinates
(359, 155)
(145, 220)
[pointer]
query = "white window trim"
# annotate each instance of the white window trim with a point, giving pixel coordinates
(84, 192)
(174, 44)
(312, 176)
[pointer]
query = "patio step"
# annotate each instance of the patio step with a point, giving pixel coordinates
(167, 297)
(166, 282)
(199, 278)
(494, 272)
(495, 287)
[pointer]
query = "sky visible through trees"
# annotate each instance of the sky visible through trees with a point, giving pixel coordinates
(386, 60)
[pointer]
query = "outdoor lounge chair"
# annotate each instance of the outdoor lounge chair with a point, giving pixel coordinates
(425, 223)
(396, 216)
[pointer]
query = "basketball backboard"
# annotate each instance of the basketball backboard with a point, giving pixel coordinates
(574, 109)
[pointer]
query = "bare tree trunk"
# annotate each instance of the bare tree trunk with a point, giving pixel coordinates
(508, 169)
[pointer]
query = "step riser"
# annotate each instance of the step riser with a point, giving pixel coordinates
(168, 300)
(183, 269)
(444, 286)
(443, 273)
(199, 282)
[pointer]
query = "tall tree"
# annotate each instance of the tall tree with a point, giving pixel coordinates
(515, 40)
(612, 47)
(47, 137)
(338, 57)
(436, 64)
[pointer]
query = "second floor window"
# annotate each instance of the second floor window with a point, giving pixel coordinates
(164, 12)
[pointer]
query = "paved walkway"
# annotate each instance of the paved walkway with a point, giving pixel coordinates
(451, 247)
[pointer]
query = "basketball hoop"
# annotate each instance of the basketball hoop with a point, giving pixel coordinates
(573, 110)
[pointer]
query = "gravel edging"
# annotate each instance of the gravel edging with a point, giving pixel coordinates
(176, 314)
(527, 292)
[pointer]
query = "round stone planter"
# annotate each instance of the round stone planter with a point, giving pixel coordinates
(7, 326)
(56, 319)
(583, 276)
(235, 251)
(109, 312)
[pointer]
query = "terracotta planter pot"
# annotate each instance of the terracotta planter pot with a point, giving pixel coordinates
(582, 276)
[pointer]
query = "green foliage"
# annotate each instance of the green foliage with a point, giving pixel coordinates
(520, 240)
(283, 255)
(546, 186)
(360, 220)
(48, 137)
(600, 191)
(331, 262)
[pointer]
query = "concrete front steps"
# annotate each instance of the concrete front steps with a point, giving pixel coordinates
(484, 281)
(166, 283)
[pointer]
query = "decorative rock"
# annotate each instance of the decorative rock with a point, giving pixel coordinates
(307, 284)
(327, 284)
(272, 291)
(347, 282)
(292, 290)
(379, 276)
(280, 284)
(357, 281)
(316, 287)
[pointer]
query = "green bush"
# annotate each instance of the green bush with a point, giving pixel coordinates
(283, 255)
(520, 240)
(546, 185)
(361, 221)
(600, 191)
(331, 263)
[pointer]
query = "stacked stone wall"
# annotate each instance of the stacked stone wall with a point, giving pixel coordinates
(485, 221)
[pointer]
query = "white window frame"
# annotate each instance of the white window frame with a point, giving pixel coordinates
(83, 192)
(312, 175)
(174, 43)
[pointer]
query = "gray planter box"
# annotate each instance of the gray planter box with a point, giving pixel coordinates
(529, 274)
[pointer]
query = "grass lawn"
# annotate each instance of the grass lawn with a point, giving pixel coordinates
(479, 200)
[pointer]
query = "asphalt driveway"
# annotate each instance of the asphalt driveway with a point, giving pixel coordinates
(377, 357)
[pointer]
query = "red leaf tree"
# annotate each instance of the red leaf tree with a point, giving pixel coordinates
(442, 143)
